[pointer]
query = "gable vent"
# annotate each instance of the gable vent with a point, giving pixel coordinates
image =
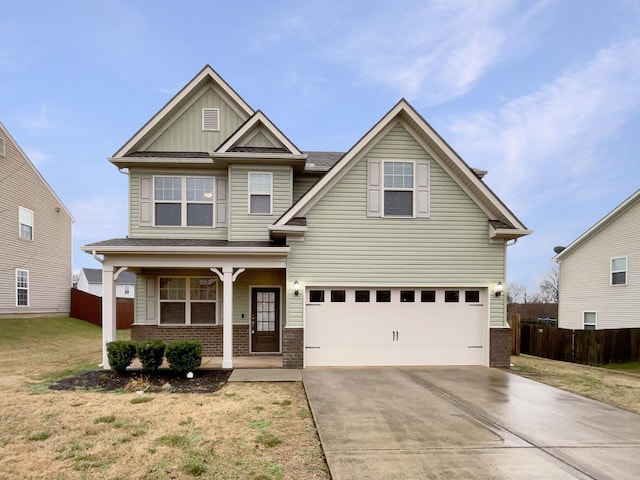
(210, 119)
(1, 147)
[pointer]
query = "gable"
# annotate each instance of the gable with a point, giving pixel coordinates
(184, 133)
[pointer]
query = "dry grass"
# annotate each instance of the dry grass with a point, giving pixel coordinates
(244, 431)
(620, 389)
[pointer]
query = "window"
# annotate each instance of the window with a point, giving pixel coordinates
(316, 296)
(451, 296)
(127, 291)
(428, 296)
(363, 296)
(589, 320)
(383, 296)
(188, 301)
(338, 296)
(407, 296)
(26, 223)
(184, 201)
(472, 296)
(619, 271)
(22, 288)
(398, 189)
(260, 192)
(210, 119)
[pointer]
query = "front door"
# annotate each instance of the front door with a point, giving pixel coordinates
(265, 320)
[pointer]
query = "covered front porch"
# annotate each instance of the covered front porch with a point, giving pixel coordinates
(229, 296)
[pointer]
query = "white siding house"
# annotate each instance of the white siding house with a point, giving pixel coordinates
(35, 239)
(389, 254)
(90, 281)
(599, 281)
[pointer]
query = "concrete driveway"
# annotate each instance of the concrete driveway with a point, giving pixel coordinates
(465, 423)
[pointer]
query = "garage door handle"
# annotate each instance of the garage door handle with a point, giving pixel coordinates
(395, 335)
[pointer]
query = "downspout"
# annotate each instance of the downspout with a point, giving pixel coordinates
(95, 255)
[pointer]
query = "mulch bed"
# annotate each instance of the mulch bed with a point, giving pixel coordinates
(204, 381)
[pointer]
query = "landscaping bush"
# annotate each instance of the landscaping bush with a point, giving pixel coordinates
(184, 356)
(151, 354)
(120, 354)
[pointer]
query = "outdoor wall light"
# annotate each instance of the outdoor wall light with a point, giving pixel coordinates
(296, 288)
(498, 290)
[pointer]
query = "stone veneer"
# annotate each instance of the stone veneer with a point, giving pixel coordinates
(210, 336)
(292, 347)
(500, 347)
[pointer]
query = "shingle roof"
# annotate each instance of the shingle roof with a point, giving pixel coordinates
(177, 242)
(323, 159)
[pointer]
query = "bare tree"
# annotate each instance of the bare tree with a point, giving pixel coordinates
(516, 293)
(549, 287)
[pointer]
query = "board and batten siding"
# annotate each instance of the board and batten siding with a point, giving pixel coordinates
(185, 133)
(344, 246)
(48, 256)
(142, 229)
(246, 226)
(585, 277)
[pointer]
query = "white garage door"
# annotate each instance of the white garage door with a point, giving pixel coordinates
(385, 327)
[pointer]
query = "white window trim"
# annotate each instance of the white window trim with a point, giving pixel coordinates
(187, 301)
(412, 189)
(214, 128)
(21, 212)
(22, 288)
(249, 192)
(612, 271)
(595, 325)
(183, 201)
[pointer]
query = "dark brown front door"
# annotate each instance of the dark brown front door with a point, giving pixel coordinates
(265, 319)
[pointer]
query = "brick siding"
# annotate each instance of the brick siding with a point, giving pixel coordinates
(500, 347)
(292, 347)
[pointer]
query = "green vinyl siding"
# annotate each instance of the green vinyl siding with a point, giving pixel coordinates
(185, 133)
(343, 245)
(138, 231)
(302, 184)
(246, 226)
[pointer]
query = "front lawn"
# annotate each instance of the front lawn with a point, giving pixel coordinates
(243, 431)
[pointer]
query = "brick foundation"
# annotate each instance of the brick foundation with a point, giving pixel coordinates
(292, 347)
(500, 347)
(209, 336)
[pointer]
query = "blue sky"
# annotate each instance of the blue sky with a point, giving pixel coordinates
(544, 95)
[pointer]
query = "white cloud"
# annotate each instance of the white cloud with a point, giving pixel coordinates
(554, 136)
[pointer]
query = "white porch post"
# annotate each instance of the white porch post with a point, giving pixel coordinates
(108, 311)
(227, 320)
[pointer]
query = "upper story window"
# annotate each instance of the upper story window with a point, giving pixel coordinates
(26, 223)
(183, 201)
(260, 192)
(22, 288)
(619, 271)
(398, 189)
(210, 119)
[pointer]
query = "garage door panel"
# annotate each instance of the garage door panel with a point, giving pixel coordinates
(394, 333)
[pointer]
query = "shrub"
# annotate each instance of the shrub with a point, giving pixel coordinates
(120, 354)
(151, 354)
(184, 356)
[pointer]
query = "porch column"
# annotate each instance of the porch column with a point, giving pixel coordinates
(108, 311)
(227, 317)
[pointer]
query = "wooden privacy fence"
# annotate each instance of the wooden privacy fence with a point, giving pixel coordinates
(89, 307)
(589, 347)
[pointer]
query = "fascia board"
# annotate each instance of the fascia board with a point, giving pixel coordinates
(268, 251)
(259, 117)
(601, 224)
(207, 71)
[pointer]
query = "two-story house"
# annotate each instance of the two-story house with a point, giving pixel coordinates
(90, 281)
(392, 253)
(35, 239)
(599, 281)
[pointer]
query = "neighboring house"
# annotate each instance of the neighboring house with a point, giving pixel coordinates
(35, 239)
(90, 281)
(388, 254)
(599, 273)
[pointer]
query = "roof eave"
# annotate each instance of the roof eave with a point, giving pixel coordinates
(173, 250)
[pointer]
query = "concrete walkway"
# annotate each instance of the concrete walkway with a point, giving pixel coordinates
(467, 423)
(266, 375)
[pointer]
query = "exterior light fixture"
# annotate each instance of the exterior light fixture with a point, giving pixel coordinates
(296, 288)
(498, 290)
